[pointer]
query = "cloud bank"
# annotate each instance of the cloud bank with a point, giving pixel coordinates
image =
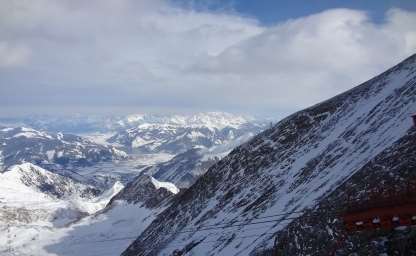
(103, 56)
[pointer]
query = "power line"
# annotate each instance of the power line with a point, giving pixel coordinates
(235, 237)
(197, 230)
(220, 225)
(236, 223)
(211, 227)
(253, 218)
(223, 226)
(134, 237)
(179, 243)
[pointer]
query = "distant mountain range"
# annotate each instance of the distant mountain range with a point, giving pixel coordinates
(21, 144)
(177, 134)
(83, 124)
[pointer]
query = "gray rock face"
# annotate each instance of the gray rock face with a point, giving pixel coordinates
(18, 145)
(285, 169)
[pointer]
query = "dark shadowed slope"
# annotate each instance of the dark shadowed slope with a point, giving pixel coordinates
(321, 231)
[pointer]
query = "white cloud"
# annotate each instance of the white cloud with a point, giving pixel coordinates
(11, 56)
(135, 54)
(305, 60)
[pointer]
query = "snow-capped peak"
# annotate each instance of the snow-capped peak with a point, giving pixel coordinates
(27, 133)
(29, 185)
(20, 171)
(26, 129)
(46, 182)
(134, 118)
(26, 167)
(218, 120)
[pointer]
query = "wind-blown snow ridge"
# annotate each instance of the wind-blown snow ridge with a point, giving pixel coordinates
(169, 186)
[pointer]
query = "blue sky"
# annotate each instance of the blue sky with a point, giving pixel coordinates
(270, 12)
(258, 57)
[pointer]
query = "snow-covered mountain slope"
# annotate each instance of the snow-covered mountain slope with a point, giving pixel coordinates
(176, 134)
(36, 178)
(111, 230)
(36, 206)
(106, 233)
(18, 145)
(321, 232)
(285, 169)
(30, 194)
(185, 168)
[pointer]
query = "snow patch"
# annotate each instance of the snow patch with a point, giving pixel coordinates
(169, 186)
(137, 142)
(50, 154)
